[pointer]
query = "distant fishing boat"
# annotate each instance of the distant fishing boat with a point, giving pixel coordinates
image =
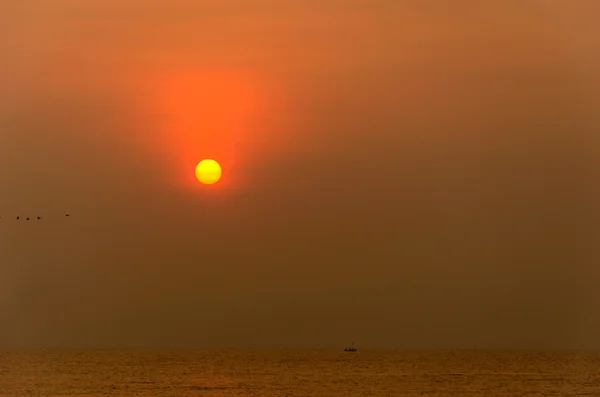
(352, 348)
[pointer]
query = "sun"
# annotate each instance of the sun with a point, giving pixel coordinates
(208, 171)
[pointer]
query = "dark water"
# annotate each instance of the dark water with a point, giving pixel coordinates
(178, 373)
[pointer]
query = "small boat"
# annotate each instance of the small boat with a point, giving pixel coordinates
(352, 348)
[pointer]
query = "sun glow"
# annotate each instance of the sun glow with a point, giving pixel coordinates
(208, 171)
(213, 113)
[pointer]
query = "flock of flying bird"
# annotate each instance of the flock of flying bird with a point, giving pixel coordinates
(29, 218)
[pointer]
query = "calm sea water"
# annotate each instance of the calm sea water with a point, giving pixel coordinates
(322, 373)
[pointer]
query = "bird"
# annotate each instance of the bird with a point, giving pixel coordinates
(38, 217)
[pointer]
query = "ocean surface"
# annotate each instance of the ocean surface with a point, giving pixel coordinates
(322, 373)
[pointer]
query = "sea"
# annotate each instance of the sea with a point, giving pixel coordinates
(282, 373)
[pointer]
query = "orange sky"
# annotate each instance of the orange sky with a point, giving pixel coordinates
(387, 162)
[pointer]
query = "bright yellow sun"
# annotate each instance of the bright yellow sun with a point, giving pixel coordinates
(208, 171)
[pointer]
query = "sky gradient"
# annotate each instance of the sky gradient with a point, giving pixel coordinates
(397, 173)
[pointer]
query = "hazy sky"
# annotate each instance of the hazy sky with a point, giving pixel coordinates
(401, 173)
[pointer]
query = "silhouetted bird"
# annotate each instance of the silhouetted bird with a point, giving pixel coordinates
(38, 217)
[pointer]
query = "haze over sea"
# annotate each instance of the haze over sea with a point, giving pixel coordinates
(188, 372)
